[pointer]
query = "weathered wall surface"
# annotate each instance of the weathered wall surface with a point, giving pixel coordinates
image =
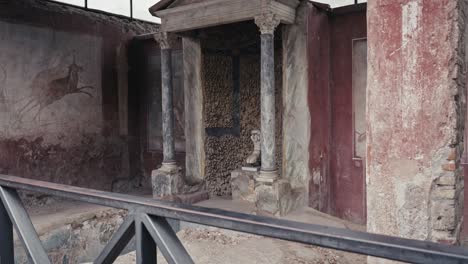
(296, 121)
(318, 53)
(347, 182)
(464, 159)
(63, 106)
(337, 184)
(226, 152)
(415, 113)
(194, 117)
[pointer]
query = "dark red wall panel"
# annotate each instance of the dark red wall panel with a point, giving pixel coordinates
(347, 181)
(319, 102)
(337, 184)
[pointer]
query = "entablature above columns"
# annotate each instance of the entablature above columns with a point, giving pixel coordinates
(190, 14)
(166, 40)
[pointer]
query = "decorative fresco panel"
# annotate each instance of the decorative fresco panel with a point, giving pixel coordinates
(50, 83)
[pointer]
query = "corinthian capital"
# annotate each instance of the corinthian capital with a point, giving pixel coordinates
(166, 40)
(267, 22)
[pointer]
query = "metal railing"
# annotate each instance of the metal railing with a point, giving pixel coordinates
(147, 220)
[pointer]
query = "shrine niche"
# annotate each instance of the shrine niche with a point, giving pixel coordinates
(233, 61)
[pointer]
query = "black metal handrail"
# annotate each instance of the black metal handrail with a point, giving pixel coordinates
(147, 220)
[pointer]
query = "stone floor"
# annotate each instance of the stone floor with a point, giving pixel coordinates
(209, 245)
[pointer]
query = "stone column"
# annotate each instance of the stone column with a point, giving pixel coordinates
(267, 23)
(167, 180)
(272, 194)
(166, 41)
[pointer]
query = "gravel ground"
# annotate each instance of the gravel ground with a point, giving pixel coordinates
(212, 246)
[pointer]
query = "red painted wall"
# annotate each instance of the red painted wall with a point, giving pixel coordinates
(338, 182)
(414, 130)
(347, 175)
(319, 106)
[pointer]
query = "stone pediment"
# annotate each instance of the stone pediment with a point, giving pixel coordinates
(183, 15)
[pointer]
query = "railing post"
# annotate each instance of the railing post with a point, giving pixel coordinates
(6, 237)
(145, 245)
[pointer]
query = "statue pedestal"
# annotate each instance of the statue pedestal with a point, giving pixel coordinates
(243, 185)
(278, 198)
(167, 182)
(275, 198)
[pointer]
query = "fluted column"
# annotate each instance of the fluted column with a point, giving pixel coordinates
(166, 42)
(267, 24)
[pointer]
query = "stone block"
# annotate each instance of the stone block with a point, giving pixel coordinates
(193, 198)
(444, 237)
(166, 183)
(295, 198)
(444, 192)
(450, 166)
(278, 199)
(448, 179)
(443, 215)
(243, 185)
(453, 154)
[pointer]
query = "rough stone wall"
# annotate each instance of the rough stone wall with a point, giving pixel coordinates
(227, 152)
(221, 154)
(218, 83)
(415, 113)
(76, 134)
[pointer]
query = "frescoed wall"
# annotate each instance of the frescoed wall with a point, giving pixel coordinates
(64, 88)
(52, 84)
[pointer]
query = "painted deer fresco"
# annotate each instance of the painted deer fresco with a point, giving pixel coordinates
(48, 88)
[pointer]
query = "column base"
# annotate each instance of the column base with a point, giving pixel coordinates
(277, 198)
(267, 176)
(243, 185)
(170, 166)
(167, 180)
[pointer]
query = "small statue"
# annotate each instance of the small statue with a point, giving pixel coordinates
(253, 159)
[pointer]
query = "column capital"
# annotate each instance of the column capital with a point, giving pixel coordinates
(165, 40)
(267, 22)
